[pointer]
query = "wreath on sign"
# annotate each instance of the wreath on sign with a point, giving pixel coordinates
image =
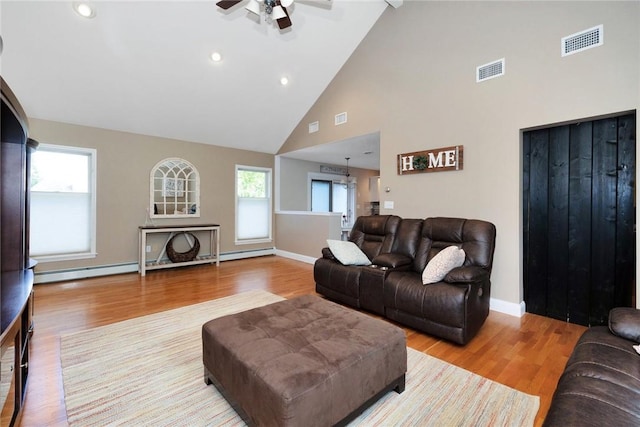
(420, 162)
(189, 255)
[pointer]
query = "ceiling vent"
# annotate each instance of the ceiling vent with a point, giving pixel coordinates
(583, 40)
(490, 70)
(341, 119)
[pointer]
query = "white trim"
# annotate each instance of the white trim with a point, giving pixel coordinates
(252, 241)
(297, 257)
(335, 179)
(500, 306)
(108, 270)
(64, 257)
(231, 256)
(320, 176)
(309, 213)
(510, 308)
(276, 184)
(83, 273)
(269, 189)
(92, 153)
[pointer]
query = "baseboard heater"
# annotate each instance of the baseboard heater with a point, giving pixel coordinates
(130, 267)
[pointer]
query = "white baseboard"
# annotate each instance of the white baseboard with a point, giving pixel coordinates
(297, 257)
(230, 256)
(84, 273)
(510, 308)
(501, 306)
(505, 307)
(108, 270)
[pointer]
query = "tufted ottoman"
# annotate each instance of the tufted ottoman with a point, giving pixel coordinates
(303, 362)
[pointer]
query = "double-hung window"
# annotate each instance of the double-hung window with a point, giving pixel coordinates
(63, 203)
(253, 204)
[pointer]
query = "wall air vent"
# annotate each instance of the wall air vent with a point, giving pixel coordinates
(583, 40)
(490, 70)
(341, 119)
(314, 127)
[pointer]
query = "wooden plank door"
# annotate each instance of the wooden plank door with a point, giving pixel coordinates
(578, 216)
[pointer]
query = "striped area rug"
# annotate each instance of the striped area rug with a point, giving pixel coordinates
(148, 371)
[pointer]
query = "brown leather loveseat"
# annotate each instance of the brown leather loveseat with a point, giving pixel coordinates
(399, 249)
(600, 385)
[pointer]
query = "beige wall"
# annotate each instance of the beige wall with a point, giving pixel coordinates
(294, 185)
(413, 79)
(306, 233)
(124, 162)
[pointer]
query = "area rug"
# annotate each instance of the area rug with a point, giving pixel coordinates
(148, 371)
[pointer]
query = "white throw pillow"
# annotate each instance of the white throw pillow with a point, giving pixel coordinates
(441, 264)
(348, 253)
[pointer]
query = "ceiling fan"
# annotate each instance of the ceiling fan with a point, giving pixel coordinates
(274, 9)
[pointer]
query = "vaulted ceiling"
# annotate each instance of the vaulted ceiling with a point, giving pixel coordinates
(145, 66)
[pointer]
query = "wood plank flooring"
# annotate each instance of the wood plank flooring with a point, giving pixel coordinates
(527, 353)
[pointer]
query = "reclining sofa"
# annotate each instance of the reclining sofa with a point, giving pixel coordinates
(600, 385)
(399, 249)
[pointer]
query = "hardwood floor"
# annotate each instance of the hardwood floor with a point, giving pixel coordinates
(527, 353)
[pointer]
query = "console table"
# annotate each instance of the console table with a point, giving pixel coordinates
(153, 264)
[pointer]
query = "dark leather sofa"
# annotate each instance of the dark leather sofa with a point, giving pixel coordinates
(600, 385)
(399, 249)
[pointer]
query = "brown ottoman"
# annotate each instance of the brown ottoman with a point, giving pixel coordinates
(303, 362)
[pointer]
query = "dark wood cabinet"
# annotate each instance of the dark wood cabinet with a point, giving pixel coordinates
(16, 269)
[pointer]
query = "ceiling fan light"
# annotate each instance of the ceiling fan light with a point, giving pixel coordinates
(286, 3)
(253, 7)
(278, 13)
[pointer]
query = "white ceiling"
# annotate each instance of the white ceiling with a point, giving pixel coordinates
(144, 67)
(363, 152)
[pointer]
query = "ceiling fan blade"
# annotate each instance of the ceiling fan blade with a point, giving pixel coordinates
(286, 21)
(226, 4)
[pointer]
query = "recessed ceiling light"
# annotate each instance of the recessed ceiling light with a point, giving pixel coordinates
(284, 81)
(84, 9)
(216, 57)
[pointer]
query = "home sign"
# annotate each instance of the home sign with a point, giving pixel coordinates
(436, 160)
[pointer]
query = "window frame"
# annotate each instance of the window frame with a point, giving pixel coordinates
(328, 181)
(92, 153)
(335, 179)
(269, 198)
